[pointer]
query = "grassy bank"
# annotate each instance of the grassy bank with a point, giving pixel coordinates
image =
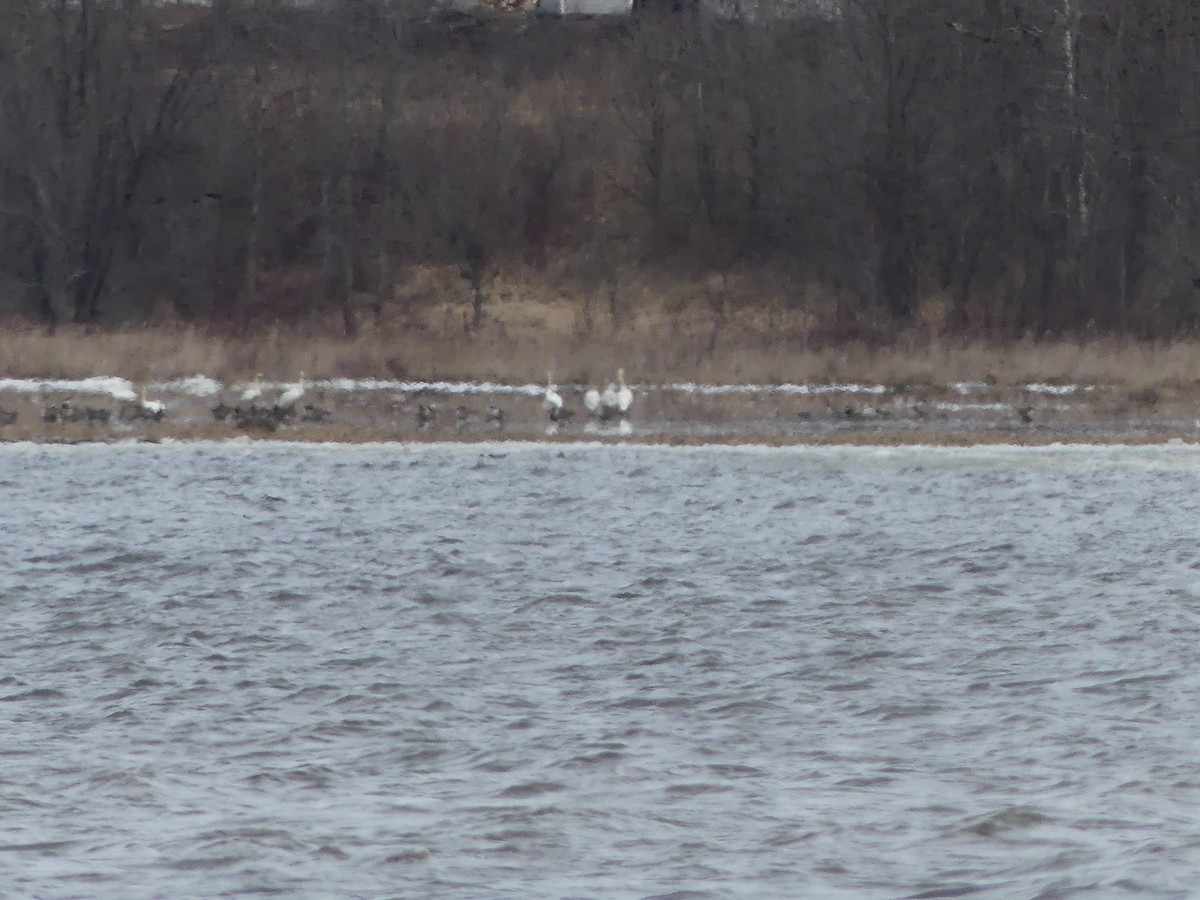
(654, 340)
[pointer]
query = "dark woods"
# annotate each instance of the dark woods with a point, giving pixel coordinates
(1005, 167)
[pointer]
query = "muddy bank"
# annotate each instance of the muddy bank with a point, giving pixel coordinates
(677, 413)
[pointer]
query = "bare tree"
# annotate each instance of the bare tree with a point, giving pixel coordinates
(98, 110)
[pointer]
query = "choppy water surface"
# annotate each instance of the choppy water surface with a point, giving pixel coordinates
(599, 671)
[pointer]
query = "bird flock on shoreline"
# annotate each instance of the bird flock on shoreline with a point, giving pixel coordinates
(254, 412)
(610, 406)
(256, 406)
(134, 407)
(252, 408)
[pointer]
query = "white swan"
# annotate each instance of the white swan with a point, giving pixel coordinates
(624, 395)
(151, 409)
(551, 397)
(613, 402)
(608, 400)
(254, 391)
(289, 397)
(135, 406)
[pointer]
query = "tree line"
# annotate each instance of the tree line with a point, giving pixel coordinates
(1022, 166)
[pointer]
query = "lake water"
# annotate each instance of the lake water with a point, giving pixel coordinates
(598, 671)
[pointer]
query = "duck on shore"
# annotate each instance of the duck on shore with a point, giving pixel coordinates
(62, 413)
(255, 418)
(463, 418)
(427, 415)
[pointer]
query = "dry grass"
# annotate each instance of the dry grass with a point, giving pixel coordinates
(667, 329)
(513, 355)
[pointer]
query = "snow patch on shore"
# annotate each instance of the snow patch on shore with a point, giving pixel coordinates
(194, 385)
(204, 386)
(428, 387)
(688, 387)
(98, 384)
(1058, 390)
(973, 407)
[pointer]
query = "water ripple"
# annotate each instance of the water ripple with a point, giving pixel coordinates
(597, 671)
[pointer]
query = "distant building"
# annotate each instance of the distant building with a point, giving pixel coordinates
(586, 7)
(546, 7)
(752, 9)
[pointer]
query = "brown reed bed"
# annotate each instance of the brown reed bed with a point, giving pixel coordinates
(521, 341)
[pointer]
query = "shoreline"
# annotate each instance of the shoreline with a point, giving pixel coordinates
(876, 439)
(504, 445)
(364, 411)
(391, 388)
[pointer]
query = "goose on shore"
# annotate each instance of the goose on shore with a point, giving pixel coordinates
(312, 413)
(860, 413)
(426, 414)
(62, 412)
(463, 418)
(255, 418)
(496, 416)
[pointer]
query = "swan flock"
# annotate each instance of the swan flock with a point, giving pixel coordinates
(610, 405)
